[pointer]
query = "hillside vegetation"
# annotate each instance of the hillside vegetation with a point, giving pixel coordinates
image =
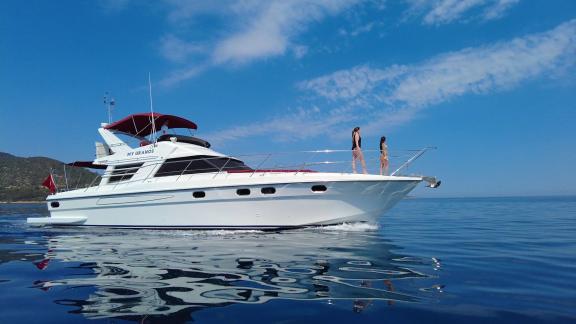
(21, 178)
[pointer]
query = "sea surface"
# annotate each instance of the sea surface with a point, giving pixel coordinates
(481, 260)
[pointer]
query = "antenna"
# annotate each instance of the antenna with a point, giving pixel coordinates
(109, 104)
(152, 108)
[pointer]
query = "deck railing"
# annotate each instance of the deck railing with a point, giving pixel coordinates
(337, 161)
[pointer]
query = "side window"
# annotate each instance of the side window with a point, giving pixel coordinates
(229, 164)
(124, 172)
(198, 164)
(186, 165)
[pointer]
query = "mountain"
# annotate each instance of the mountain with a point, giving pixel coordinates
(21, 178)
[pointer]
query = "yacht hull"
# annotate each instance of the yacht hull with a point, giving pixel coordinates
(291, 205)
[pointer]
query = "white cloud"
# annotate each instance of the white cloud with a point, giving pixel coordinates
(177, 50)
(485, 69)
(472, 70)
(244, 31)
(241, 31)
(299, 51)
(271, 26)
(182, 74)
(366, 28)
(297, 125)
(437, 12)
(449, 10)
(395, 95)
(350, 83)
(498, 9)
(255, 30)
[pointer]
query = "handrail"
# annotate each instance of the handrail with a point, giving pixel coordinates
(218, 169)
(412, 159)
(183, 170)
(260, 165)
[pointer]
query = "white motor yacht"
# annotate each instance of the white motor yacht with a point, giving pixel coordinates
(176, 181)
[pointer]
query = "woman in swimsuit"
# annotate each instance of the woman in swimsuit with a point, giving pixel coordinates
(357, 150)
(383, 156)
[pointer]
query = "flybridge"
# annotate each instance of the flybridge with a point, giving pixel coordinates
(137, 126)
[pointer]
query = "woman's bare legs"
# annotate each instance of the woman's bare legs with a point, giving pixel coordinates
(361, 158)
(386, 167)
(357, 155)
(383, 165)
(354, 157)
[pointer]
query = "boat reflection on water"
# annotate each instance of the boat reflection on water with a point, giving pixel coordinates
(174, 273)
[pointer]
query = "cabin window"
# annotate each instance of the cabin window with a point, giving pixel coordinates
(199, 194)
(124, 172)
(243, 192)
(319, 188)
(268, 190)
(199, 164)
(54, 204)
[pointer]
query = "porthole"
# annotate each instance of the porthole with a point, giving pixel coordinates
(268, 190)
(319, 188)
(54, 204)
(243, 192)
(199, 194)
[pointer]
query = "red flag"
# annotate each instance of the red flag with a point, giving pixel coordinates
(49, 183)
(42, 264)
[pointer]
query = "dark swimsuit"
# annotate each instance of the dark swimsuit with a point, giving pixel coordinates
(354, 142)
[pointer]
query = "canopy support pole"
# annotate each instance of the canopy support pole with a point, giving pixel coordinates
(153, 133)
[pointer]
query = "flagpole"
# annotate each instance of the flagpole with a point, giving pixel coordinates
(53, 181)
(152, 108)
(65, 176)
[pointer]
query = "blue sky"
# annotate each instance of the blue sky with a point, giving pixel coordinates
(491, 83)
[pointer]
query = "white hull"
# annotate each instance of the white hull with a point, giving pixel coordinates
(177, 181)
(348, 198)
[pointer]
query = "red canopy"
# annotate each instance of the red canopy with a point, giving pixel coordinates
(141, 124)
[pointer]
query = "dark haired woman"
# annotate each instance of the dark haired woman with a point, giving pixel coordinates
(357, 150)
(383, 156)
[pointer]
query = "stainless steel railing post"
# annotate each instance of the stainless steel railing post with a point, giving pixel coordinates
(412, 159)
(222, 168)
(259, 165)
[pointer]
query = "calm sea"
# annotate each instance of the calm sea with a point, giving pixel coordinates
(484, 260)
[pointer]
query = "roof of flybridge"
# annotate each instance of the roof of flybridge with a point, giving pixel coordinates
(141, 124)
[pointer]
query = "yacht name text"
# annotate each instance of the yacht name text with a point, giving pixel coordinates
(140, 152)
